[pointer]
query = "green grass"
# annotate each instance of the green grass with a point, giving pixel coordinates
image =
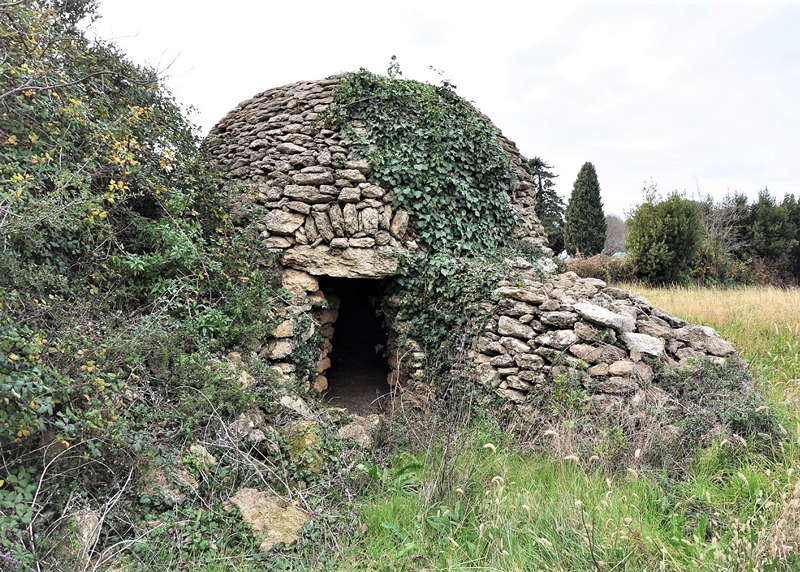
(491, 506)
(514, 510)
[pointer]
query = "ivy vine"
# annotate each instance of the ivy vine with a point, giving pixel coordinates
(435, 153)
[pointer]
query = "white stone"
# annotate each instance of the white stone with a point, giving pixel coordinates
(559, 339)
(281, 222)
(360, 431)
(509, 327)
(604, 317)
(296, 405)
(521, 294)
(277, 349)
(269, 515)
(705, 339)
(283, 330)
(644, 344)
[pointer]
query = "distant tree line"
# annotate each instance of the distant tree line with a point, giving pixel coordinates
(731, 241)
(672, 238)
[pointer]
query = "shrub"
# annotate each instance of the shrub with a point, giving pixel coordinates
(607, 268)
(664, 237)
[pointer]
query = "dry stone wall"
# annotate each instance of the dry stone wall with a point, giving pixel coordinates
(580, 327)
(312, 199)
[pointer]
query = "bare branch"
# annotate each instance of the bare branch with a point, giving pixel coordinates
(27, 87)
(9, 5)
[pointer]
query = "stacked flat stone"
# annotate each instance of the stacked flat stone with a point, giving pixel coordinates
(311, 198)
(523, 196)
(581, 327)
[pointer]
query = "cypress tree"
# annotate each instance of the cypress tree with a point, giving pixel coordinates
(585, 228)
(549, 206)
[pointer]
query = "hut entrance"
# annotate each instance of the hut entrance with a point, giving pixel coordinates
(358, 370)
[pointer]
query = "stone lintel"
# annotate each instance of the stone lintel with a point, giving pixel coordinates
(322, 260)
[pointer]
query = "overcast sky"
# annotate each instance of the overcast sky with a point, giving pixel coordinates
(690, 95)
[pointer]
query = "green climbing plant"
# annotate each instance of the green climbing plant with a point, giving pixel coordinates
(436, 154)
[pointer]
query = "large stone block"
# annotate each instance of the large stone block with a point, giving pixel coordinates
(704, 339)
(297, 280)
(346, 263)
(510, 327)
(307, 194)
(602, 353)
(646, 345)
(559, 319)
(281, 222)
(559, 339)
(275, 519)
(399, 225)
(325, 178)
(604, 317)
(370, 220)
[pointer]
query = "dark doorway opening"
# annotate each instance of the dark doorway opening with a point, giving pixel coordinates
(358, 372)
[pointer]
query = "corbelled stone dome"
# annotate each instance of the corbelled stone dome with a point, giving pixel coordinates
(539, 342)
(321, 206)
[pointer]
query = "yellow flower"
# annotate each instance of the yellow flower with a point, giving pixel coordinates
(33, 137)
(12, 140)
(13, 357)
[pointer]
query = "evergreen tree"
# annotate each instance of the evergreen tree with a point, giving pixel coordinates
(664, 237)
(792, 208)
(585, 228)
(771, 232)
(549, 206)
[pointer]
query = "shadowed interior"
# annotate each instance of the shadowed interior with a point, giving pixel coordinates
(357, 376)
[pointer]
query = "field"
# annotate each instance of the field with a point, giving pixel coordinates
(475, 502)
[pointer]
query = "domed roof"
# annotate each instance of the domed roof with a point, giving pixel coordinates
(320, 202)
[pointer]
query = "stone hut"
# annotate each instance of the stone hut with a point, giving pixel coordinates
(338, 232)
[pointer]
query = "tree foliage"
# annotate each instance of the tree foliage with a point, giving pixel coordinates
(549, 206)
(616, 228)
(585, 227)
(120, 272)
(770, 230)
(664, 237)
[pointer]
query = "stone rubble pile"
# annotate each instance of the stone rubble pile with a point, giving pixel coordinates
(580, 327)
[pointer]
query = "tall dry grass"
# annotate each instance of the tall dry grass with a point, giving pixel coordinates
(762, 322)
